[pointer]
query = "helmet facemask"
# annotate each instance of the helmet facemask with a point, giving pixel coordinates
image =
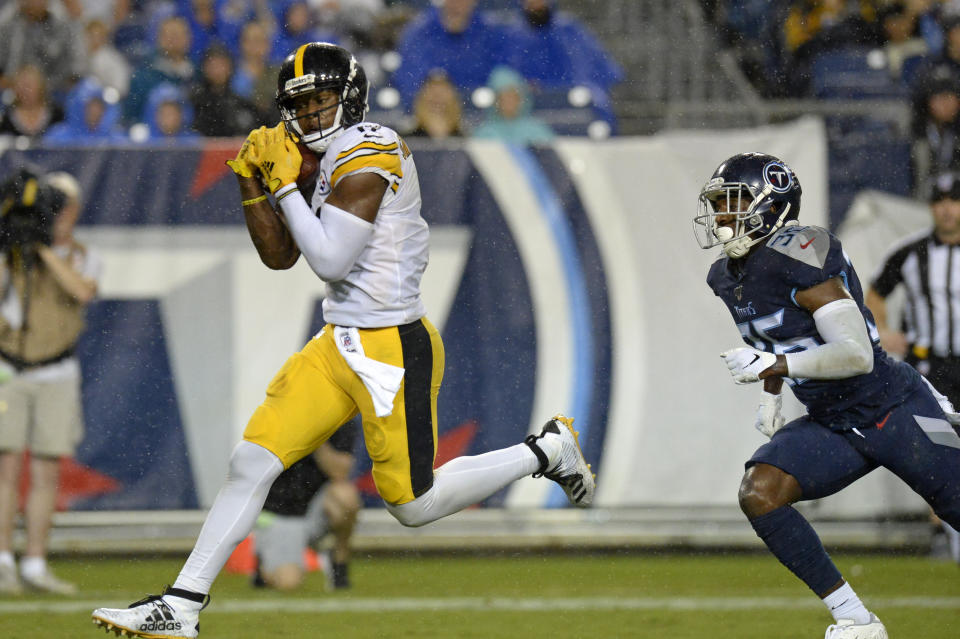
(350, 106)
(318, 140)
(746, 206)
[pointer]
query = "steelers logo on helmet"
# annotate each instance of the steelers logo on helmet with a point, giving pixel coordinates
(778, 176)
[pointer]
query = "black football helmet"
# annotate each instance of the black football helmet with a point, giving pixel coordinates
(759, 189)
(319, 66)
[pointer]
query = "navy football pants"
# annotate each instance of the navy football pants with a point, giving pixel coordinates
(914, 441)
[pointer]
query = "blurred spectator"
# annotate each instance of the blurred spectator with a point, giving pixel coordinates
(509, 119)
(34, 35)
(218, 111)
(901, 34)
(295, 26)
(353, 19)
(436, 109)
(255, 79)
(32, 112)
(752, 29)
(93, 116)
(214, 22)
(106, 64)
(202, 18)
(552, 48)
(936, 144)
(110, 12)
(815, 26)
(947, 61)
(171, 64)
(455, 37)
(356, 23)
(168, 115)
(929, 16)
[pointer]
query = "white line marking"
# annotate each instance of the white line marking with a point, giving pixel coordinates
(243, 606)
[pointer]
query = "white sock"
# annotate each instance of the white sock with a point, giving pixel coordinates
(845, 604)
(33, 566)
(6, 559)
(464, 481)
(252, 471)
(550, 446)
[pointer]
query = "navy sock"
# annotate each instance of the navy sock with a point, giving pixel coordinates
(793, 541)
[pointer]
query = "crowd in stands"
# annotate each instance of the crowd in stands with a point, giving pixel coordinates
(90, 72)
(850, 49)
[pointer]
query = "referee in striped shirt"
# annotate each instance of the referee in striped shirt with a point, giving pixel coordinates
(927, 264)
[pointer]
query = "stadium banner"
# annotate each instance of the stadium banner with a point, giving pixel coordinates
(564, 278)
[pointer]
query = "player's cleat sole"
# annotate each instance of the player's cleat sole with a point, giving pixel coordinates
(847, 629)
(150, 618)
(120, 631)
(569, 468)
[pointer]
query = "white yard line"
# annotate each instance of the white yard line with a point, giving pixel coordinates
(243, 606)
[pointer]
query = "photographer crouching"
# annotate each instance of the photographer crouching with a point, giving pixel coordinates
(46, 281)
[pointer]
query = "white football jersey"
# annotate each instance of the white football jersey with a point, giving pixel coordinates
(383, 287)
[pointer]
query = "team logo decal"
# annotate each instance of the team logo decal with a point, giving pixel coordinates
(778, 176)
(322, 184)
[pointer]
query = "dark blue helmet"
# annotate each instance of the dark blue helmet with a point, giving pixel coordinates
(759, 189)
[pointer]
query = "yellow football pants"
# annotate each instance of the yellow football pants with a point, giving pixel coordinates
(315, 392)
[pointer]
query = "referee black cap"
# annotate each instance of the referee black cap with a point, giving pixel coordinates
(946, 187)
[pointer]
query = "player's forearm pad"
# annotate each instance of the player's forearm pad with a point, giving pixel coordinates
(847, 352)
(330, 242)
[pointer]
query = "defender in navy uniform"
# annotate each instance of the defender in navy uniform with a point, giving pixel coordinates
(799, 305)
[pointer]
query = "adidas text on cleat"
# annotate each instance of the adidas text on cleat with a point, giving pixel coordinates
(152, 617)
(847, 629)
(564, 463)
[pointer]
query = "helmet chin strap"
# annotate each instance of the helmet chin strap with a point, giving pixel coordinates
(735, 249)
(327, 135)
(738, 247)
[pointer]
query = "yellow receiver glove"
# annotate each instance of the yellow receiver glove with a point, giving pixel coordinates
(245, 164)
(278, 158)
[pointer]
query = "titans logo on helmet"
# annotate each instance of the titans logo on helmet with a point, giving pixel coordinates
(778, 176)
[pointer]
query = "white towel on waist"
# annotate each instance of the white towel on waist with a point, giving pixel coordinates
(382, 380)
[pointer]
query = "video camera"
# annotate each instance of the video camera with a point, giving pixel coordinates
(28, 207)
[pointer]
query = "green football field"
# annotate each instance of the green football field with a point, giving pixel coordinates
(674, 596)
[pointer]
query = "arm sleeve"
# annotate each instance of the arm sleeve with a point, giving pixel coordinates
(847, 352)
(330, 242)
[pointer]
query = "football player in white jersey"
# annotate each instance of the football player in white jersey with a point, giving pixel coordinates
(379, 356)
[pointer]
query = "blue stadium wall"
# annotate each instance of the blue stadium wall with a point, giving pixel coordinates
(563, 278)
(134, 426)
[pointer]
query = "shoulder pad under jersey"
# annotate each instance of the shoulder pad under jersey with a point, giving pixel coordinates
(807, 244)
(366, 147)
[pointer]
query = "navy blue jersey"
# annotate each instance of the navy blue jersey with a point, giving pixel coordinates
(760, 291)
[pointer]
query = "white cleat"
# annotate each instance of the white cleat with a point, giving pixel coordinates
(9, 581)
(152, 617)
(567, 467)
(847, 629)
(48, 582)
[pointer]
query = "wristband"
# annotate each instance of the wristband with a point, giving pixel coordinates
(285, 190)
(254, 200)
